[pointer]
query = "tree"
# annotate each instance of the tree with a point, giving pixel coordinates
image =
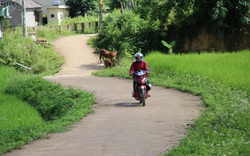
(181, 20)
(79, 7)
(123, 4)
(216, 14)
(224, 19)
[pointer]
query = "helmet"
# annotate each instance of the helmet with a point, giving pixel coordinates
(138, 57)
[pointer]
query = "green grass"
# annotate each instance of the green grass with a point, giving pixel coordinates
(228, 68)
(222, 81)
(14, 112)
(19, 121)
(14, 48)
(35, 107)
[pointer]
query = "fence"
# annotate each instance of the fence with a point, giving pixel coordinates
(84, 27)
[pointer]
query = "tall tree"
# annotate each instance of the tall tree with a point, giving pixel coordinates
(229, 14)
(79, 7)
(123, 4)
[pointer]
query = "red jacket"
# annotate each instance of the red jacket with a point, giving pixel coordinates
(142, 65)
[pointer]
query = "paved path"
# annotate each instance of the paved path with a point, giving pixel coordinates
(119, 126)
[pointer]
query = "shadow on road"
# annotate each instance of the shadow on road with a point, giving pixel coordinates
(91, 67)
(128, 104)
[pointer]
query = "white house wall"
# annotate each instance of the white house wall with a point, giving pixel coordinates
(30, 15)
(48, 3)
(16, 14)
(59, 14)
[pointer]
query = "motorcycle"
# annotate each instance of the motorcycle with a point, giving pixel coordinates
(141, 88)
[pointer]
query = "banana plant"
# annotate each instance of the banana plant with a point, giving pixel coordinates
(169, 46)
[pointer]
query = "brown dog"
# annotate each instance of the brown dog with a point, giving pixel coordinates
(42, 41)
(108, 63)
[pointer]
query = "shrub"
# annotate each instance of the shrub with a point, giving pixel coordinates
(123, 32)
(20, 122)
(14, 48)
(51, 100)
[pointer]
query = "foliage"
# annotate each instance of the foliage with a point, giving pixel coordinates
(80, 19)
(21, 123)
(227, 68)
(125, 32)
(169, 46)
(182, 20)
(223, 128)
(222, 14)
(50, 100)
(14, 48)
(114, 4)
(80, 7)
(5, 23)
(123, 4)
(120, 70)
(50, 33)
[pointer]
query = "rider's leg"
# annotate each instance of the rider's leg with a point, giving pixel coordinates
(133, 92)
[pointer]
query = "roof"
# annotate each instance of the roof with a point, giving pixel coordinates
(29, 3)
(49, 2)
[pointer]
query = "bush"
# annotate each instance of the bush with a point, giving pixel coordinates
(123, 32)
(51, 100)
(21, 123)
(14, 48)
(51, 33)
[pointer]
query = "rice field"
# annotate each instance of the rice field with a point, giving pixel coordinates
(232, 69)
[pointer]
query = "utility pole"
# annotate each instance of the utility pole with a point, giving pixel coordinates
(24, 18)
(100, 13)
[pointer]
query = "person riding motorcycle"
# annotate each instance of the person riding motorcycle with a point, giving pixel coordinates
(137, 65)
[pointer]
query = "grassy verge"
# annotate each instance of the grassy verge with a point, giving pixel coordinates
(16, 128)
(222, 81)
(31, 107)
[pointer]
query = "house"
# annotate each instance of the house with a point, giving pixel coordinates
(47, 3)
(54, 10)
(55, 14)
(33, 13)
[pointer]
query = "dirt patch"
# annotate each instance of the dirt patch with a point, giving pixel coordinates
(119, 126)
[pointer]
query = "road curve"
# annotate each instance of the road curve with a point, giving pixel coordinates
(119, 126)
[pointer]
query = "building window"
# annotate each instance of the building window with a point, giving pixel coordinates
(52, 15)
